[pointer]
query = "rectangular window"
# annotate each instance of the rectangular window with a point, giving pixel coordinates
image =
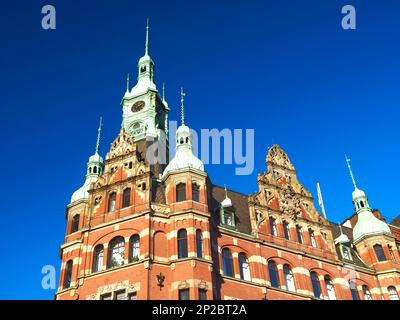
(286, 230)
(132, 296)
(120, 295)
(299, 235)
(184, 294)
(126, 198)
(202, 294)
(106, 296)
(75, 223)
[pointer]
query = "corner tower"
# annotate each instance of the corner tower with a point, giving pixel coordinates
(371, 236)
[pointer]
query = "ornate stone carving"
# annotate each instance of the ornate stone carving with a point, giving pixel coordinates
(122, 145)
(260, 217)
(290, 202)
(278, 157)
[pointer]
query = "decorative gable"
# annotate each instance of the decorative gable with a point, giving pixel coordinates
(122, 145)
(280, 190)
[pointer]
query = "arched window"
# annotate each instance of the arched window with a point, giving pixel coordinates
(244, 267)
(367, 293)
(111, 201)
(353, 290)
(286, 230)
(299, 234)
(380, 255)
(393, 293)
(181, 192)
(126, 198)
(182, 244)
(273, 274)
(116, 252)
(199, 244)
(312, 238)
(134, 248)
(227, 262)
(75, 223)
(68, 274)
(95, 169)
(289, 279)
(315, 284)
(272, 226)
(195, 192)
(330, 288)
(98, 255)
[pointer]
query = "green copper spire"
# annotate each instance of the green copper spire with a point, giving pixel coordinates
(183, 94)
(146, 50)
(98, 135)
(351, 172)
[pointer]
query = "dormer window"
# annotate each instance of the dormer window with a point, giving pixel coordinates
(346, 255)
(227, 217)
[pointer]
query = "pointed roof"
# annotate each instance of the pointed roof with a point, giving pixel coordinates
(342, 238)
(95, 161)
(227, 202)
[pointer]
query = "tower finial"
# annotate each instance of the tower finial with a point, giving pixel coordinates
(226, 192)
(146, 50)
(351, 172)
(98, 135)
(127, 83)
(183, 94)
(163, 91)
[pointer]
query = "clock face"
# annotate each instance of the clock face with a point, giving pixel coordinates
(137, 106)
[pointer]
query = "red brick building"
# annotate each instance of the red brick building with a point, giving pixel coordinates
(138, 229)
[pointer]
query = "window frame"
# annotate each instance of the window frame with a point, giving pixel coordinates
(68, 274)
(195, 192)
(126, 198)
(116, 247)
(227, 263)
(98, 255)
(316, 285)
(182, 241)
(199, 244)
(112, 202)
(243, 265)
(289, 278)
(134, 248)
(75, 223)
(180, 192)
(379, 253)
(273, 270)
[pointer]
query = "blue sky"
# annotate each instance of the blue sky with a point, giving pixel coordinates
(283, 68)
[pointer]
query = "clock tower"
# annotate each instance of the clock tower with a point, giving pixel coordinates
(145, 113)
